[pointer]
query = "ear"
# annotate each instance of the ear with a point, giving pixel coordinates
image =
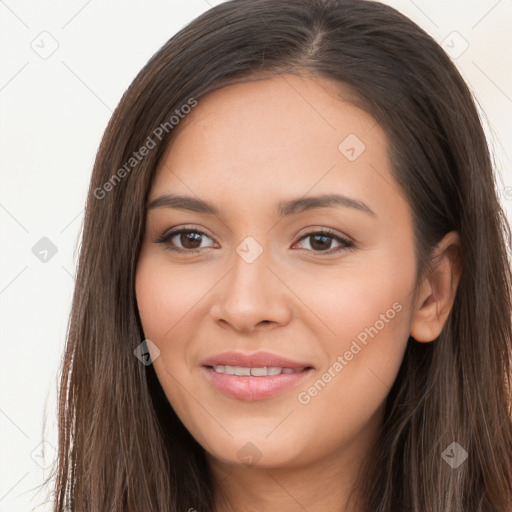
(437, 290)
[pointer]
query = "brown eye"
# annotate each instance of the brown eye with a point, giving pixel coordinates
(190, 240)
(183, 240)
(321, 241)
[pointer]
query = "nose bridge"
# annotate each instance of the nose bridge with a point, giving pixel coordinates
(251, 294)
(248, 284)
(250, 272)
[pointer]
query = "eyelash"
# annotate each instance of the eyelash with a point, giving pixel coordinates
(345, 243)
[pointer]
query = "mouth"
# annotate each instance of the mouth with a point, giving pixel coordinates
(244, 371)
(252, 377)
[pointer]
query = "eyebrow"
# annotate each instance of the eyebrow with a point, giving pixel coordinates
(285, 208)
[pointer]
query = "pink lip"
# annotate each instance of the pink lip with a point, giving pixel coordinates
(252, 388)
(256, 360)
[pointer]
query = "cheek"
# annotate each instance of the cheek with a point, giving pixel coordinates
(166, 300)
(349, 300)
(365, 311)
(168, 304)
(362, 361)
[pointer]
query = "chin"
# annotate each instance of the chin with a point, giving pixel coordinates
(257, 453)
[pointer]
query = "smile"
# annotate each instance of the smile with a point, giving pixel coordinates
(242, 371)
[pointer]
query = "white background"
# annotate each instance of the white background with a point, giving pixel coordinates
(53, 111)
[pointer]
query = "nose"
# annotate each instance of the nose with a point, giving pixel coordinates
(252, 297)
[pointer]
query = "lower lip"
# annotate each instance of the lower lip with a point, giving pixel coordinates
(254, 388)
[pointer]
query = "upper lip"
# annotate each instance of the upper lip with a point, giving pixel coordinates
(255, 360)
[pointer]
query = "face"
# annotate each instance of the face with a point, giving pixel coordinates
(279, 293)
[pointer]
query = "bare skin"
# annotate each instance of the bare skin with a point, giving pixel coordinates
(246, 148)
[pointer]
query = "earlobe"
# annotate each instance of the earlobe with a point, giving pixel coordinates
(438, 289)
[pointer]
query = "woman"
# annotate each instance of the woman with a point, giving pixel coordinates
(293, 290)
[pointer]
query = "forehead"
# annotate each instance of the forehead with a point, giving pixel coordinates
(279, 112)
(286, 135)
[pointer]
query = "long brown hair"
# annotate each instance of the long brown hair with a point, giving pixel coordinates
(121, 446)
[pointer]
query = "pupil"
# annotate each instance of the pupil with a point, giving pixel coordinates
(188, 239)
(323, 243)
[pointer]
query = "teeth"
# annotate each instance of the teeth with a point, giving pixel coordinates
(255, 372)
(230, 370)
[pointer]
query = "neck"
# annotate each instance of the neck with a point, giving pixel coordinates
(269, 489)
